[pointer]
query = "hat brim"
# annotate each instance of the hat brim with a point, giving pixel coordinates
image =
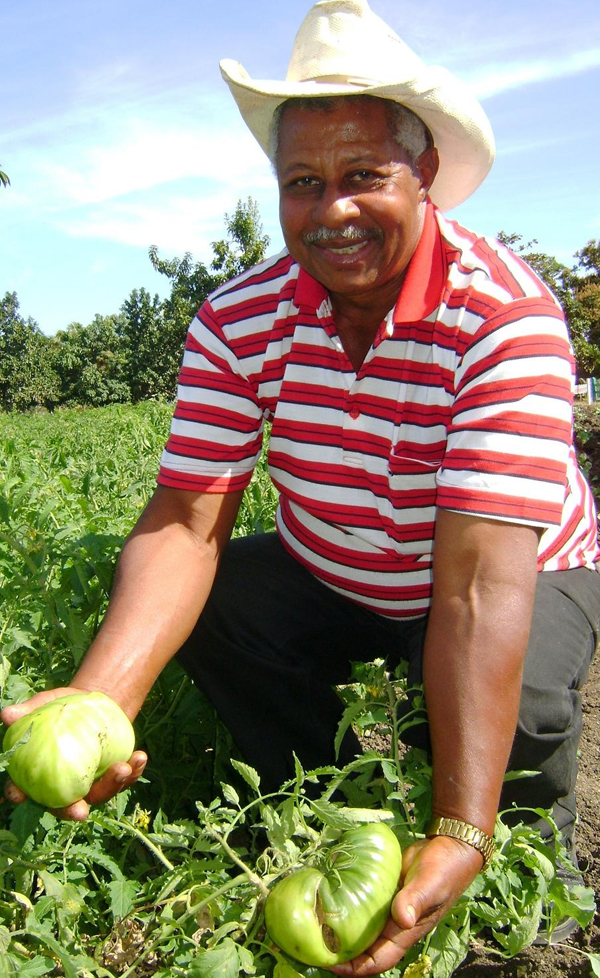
(459, 126)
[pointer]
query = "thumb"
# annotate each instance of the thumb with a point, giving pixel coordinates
(412, 903)
(412, 900)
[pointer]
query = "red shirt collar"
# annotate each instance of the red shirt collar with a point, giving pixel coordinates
(425, 276)
(422, 288)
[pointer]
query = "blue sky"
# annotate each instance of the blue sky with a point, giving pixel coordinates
(118, 133)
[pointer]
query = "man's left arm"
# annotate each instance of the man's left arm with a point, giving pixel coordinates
(484, 576)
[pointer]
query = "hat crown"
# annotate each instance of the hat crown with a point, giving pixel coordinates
(342, 48)
(344, 41)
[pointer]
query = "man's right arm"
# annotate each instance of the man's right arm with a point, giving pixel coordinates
(163, 578)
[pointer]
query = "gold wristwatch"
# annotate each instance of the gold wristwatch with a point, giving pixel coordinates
(465, 832)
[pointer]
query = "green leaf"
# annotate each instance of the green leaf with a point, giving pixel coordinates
(220, 962)
(594, 960)
(122, 894)
(390, 772)
(73, 965)
(331, 815)
(283, 969)
(120, 802)
(449, 943)
(522, 930)
(517, 775)
(250, 776)
(99, 857)
(350, 714)
(25, 819)
(230, 794)
(575, 901)
(290, 818)
(11, 965)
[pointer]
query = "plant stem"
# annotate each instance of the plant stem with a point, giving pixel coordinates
(254, 879)
(142, 838)
(392, 703)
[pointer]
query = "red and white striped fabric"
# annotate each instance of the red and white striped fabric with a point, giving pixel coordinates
(463, 402)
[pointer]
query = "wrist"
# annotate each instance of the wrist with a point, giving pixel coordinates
(464, 832)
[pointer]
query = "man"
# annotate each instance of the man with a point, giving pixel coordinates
(418, 380)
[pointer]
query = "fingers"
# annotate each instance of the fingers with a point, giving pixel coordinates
(17, 710)
(117, 778)
(77, 812)
(12, 793)
(391, 945)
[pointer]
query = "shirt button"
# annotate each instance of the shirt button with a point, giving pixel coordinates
(354, 413)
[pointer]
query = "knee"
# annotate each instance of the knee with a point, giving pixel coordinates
(549, 713)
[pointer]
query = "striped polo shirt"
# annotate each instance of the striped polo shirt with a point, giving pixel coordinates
(463, 402)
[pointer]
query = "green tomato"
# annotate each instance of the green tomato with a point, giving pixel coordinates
(72, 742)
(328, 914)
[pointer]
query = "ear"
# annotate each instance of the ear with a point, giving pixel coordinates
(427, 167)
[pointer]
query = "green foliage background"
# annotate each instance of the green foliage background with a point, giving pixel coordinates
(135, 353)
(132, 355)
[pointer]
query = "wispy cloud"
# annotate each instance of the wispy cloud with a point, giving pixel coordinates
(142, 174)
(493, 79)
(177, 224)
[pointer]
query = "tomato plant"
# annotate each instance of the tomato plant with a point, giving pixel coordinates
(328, 914)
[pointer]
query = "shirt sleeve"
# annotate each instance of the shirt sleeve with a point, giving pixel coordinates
(511, 428)
(216, 431)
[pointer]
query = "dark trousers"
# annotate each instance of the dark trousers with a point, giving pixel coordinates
(272, 641)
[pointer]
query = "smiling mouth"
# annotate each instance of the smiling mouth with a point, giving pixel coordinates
(346, 249)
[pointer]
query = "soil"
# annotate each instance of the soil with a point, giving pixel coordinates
(566, 959)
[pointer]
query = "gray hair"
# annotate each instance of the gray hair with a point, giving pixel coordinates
(406, 128)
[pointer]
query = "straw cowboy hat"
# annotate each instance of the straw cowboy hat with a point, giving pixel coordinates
(343, 48)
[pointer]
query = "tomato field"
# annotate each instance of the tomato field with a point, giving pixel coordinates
(170, 878)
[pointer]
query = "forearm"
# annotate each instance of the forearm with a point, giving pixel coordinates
(472, 705)
(473, 660)
(163, 577)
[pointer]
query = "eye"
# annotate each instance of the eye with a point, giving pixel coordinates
(302, 183)
(364, 176)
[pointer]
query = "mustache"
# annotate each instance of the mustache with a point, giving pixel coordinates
(348, 233)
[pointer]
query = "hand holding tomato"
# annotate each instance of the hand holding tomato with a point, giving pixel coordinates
(435, 873)
(72, 741)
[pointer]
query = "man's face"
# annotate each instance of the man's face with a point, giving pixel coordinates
(350, 203)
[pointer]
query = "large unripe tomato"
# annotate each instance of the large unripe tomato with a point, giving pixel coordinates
(72, 741)
(327, 914)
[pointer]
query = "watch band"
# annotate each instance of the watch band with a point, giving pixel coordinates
(465, 832)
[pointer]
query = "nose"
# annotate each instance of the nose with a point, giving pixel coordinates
(334, 207)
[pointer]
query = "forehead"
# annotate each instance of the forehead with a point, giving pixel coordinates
(340, 122)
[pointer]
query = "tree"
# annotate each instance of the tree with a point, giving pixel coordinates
(4, 179)
(578, 294)
(152, 351)
(91, 362)
(244, 246)
(245, 233)
(27, 376)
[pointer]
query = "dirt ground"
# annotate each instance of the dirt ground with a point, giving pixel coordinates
(566, 959)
